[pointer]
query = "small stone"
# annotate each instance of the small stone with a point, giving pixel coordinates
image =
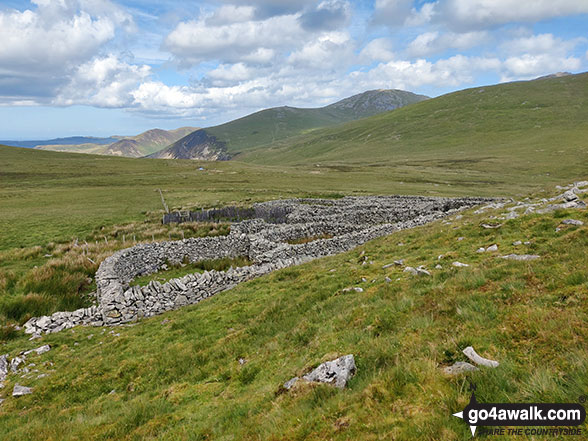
(438, 266)
(411, 270)
(387, 279)
(481, 250)
(459, 367)
(572, 222)
(290, 383)
(491, 226)
(421, 271)
(517, 243)
(492, 248)
(15, 363)
(521, 257)
(570, 196)
(459, 239)
(19, 390)
(242, 361)
(459, 264)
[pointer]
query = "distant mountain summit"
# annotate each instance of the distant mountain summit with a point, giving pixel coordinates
(147, 142)
(264, 128)
(373, 102)
(130, 146)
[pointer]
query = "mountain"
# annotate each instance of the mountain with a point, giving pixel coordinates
(531, 127)
(70, 141)
(196, 145)
(132, 146)
(270, 125)
(147, 142)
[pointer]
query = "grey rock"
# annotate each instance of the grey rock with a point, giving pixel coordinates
(15, 363)
(570, 196)
(336, 372)
(491, 226)
(492, 248)
(411, 270)
(572, 222)
(290, 383)
(459, 367)
(517, 243)
(421, 271)
(459, 264)
(40, 350)
(522, 257)
(19, 390)
(3, 366)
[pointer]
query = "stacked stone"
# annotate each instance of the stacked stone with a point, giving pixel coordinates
(64, 320)
(350, 221)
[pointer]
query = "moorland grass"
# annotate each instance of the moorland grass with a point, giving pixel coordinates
(178, 376)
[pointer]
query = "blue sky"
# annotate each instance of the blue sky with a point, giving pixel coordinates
(119, 67)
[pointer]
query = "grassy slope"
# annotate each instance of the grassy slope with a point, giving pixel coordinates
(180, 378)
(49, 196)
(270, 125)
(515, 132)
(147, 142)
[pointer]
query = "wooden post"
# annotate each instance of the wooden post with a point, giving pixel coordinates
(165, 207)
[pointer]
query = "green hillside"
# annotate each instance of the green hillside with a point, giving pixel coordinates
(270, 125)
(178, 376)
(515, 131)
(137, 146)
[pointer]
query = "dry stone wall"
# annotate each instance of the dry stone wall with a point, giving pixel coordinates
(349, 222)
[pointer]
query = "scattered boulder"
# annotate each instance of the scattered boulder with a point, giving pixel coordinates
(19, 390)
(438, 266)
(15, 363)
(491, 226)
(460, 265)
(572, 222)
(387, 279)
(516, 243)
(421, 271)
(290, 383)
(336, 372)
(411, 270)
(242, 361)
(459, 367)
(472, 355)
(492, 248)
(570, 196)
(40, 350)
(521, 257)
(352, 288)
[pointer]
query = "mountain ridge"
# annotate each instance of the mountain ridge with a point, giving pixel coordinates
(277, 123)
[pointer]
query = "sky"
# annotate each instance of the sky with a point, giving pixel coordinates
(119, 67)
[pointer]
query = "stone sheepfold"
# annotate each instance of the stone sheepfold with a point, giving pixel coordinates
(348, 222)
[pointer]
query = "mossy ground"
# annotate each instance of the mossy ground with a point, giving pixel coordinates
(177, 376)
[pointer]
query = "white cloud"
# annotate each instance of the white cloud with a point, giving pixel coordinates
(402, 12)
(379, 49)
(529, 66)
(195, 41)
(430, 43)
(102, 82)
(537, 44)
(470, 14)
(40, 48)
(334, 49)
(403, 74)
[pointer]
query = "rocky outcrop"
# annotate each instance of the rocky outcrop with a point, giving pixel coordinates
(347, 223)
(335, 372)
